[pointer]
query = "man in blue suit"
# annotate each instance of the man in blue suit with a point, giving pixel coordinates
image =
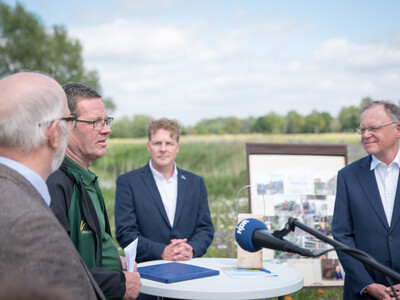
(367, 208)
(162, 205)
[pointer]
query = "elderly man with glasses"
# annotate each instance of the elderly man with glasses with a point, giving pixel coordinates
(367, 206)
(77, 200)
(34, 248)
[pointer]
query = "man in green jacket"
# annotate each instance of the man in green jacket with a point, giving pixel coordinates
(77, 200)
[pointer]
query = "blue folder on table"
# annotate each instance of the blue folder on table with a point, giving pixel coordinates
(174, 272)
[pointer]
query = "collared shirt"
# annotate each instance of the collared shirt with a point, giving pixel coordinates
(111, 259)
(34, 178)
(387, 178)
(168, 190)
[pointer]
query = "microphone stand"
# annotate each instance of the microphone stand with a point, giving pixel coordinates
(355, 253)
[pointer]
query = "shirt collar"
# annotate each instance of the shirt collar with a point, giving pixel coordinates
(158, 176)
(375, 161)
(87, 175)
(34, 178)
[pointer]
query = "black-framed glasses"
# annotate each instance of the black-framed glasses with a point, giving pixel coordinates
(99, 124)
(362, 130)
(70, 121)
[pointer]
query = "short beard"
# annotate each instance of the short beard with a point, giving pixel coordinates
(59, 154)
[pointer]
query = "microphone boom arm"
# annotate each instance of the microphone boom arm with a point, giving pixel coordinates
(355, 253)
(283, 232)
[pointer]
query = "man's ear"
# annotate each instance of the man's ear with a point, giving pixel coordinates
(398, 130)
(53, 135)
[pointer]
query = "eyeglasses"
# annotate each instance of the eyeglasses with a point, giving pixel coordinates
(362, 130)
(99, 124)
(70, 121)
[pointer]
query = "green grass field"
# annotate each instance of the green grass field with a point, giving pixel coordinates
(221, 161)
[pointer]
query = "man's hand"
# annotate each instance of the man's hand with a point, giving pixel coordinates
(177, 250)
(396, 288)
(378, 291)
(124, 263)
(132, 284)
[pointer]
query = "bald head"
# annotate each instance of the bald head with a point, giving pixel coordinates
(19, 88)
(27, 99)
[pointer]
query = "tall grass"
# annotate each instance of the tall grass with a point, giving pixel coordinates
(221, 161)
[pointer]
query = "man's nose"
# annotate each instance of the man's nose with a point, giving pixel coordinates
(366, 133)
(106, 129)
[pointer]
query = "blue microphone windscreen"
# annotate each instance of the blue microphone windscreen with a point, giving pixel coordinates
(244, 233)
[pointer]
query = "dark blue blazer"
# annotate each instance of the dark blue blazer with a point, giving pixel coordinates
(359, 221)
(140, 212)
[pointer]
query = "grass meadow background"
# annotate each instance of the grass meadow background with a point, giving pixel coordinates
(221, 161)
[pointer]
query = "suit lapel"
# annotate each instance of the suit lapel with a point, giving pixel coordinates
(151, 186)
(181, 194)
(368, 183)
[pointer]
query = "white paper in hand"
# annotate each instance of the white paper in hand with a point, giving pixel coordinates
(130, 255)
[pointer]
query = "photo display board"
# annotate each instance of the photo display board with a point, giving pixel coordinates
(299, 181)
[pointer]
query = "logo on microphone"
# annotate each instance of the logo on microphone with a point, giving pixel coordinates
(241, 226)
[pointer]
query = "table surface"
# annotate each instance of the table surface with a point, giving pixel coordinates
(223, 286)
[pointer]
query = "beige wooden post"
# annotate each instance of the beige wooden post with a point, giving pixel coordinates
(247, 259)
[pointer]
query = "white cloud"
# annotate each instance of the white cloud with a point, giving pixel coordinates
(123, 38)
(360, 56)
(192, 72)
(133, 6)
(106, 11)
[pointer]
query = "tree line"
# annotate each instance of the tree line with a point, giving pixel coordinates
(272, 123)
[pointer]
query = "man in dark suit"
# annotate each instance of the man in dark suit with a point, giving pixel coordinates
(367, 208)
(162, 205)
(34, 126)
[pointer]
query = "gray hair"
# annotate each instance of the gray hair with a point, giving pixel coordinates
(36, 103)
(392, 110)
(76, 92)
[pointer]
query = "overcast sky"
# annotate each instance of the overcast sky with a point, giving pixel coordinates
(191, 60)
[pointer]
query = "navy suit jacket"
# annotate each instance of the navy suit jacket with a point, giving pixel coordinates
(359, 221)
(140, 212)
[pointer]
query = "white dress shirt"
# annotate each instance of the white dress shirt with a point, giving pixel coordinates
(168, 190)
(387, 178)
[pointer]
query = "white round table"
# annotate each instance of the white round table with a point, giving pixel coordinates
(223, 286)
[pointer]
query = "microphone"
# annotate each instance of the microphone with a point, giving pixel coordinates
(252, 235)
